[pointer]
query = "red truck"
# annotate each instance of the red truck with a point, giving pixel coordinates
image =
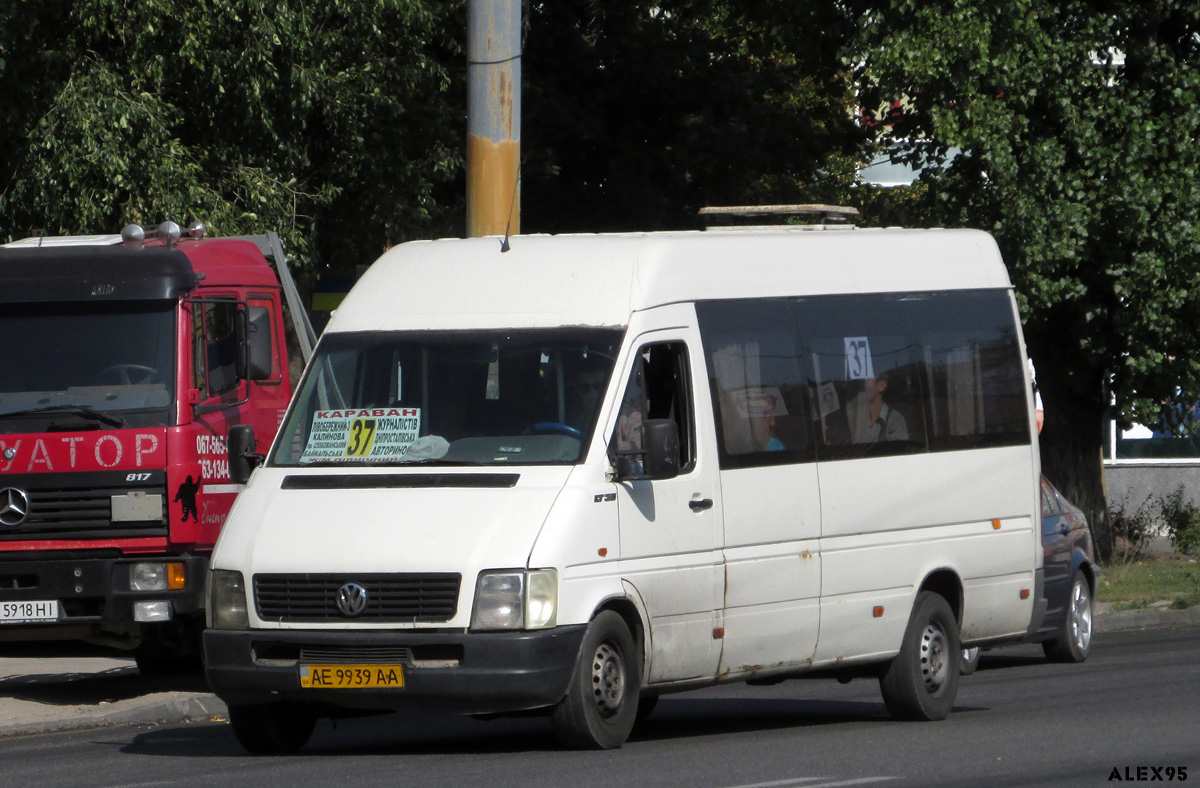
(124, 361)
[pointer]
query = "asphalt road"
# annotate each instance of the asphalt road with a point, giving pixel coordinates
(1019, 721)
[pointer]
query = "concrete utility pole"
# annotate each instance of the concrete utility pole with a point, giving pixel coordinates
(493, 117)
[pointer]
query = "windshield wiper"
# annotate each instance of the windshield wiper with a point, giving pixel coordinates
(82, 410)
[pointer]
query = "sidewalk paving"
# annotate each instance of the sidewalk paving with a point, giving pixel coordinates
(63, 692)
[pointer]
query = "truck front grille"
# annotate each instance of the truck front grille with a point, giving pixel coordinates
(393, 598)
(79, 506)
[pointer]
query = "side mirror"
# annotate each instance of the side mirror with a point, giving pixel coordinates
(659, 460)
(662, 449)
(242, 459)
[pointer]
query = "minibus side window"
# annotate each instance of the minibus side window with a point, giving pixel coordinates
(658, 388)
(913, 372)
(977, 388)
(758, 383)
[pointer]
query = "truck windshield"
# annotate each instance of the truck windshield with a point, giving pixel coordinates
(455, 398)
(66, 366)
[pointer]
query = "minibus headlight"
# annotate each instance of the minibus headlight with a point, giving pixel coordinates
(516, 599)
(227, 600)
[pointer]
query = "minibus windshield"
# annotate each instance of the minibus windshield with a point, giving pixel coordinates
(503, 397)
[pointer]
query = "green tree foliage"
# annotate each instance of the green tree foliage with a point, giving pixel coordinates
(636, 114)
(1078, 125)
(342, 124)
(336, 123)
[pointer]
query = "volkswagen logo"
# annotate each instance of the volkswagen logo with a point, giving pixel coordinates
(352, 600)
(14, 506)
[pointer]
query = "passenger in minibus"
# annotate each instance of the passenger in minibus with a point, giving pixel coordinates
(880, 422)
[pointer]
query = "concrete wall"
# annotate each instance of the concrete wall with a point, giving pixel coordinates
(1133, 483)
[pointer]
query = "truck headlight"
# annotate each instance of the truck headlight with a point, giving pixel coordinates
(516, 599)
(227, 600)
(157, 576)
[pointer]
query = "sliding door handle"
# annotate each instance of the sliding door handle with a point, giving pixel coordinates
(700, 505)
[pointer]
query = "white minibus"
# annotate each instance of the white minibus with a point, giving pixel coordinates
(583, 471)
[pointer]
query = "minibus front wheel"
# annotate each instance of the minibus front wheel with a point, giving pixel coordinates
(921, 683)
(272, 728)
(601, 704)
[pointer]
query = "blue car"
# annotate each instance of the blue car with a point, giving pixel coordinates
(1071, 574)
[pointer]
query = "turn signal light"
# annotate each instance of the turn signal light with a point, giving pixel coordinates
(176, 578)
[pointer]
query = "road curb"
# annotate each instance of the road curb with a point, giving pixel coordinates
(151, 712)
(1145, 618)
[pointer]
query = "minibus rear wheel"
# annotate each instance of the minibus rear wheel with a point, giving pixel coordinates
(272, 728)
(601, 704)
(922, 681)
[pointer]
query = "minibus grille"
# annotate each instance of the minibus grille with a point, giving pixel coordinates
(394, 598)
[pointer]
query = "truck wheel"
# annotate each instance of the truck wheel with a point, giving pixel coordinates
(601, 703)
(272, 728)
(1074, 639)
(170, 649)
(922, 681)
(154, 663)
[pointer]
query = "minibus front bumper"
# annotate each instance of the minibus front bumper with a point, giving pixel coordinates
(465, 672)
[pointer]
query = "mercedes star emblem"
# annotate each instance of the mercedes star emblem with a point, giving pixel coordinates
(14, 506)
(352, 600)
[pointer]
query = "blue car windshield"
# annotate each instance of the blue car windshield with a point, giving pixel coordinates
(504, 397)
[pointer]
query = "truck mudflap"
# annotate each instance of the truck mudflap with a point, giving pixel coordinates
(48, 597)
(469, 673)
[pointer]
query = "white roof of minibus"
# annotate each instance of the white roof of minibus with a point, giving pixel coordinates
(600, 280)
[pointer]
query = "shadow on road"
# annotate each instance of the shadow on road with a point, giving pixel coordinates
(1004, 659)
(434, 734)
(94, 687)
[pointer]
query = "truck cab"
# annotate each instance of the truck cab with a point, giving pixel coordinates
(126, 361)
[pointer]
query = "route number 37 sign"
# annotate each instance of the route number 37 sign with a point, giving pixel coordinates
(858, 359)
